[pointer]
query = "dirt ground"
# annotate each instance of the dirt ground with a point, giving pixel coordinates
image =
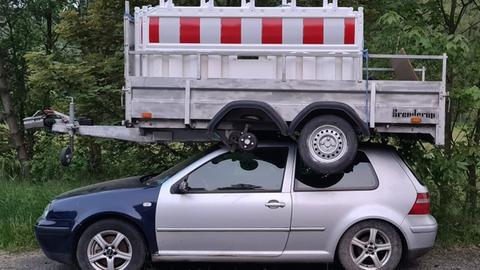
(465, 258)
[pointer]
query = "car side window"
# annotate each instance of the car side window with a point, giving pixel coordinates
(260, 170)
(361, 176)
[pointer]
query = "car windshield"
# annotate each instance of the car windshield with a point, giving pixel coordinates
(164, 176)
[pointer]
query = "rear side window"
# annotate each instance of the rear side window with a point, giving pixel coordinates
(360, 176)
(260, 170)
(413, 169)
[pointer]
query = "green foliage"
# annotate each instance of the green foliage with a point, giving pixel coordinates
(56, 49)
(21, 203)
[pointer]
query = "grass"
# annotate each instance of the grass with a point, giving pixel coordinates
(21, 203)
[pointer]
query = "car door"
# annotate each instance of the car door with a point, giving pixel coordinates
(325, 204)
(238, 204)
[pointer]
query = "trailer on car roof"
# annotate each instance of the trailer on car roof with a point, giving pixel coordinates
(237, 74)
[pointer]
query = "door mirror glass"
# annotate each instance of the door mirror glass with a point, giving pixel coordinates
(182, 187)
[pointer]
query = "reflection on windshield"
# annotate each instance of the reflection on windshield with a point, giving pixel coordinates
(164, 176)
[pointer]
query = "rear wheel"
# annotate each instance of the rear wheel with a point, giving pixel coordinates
(370, 245)
(111, 245)
(328, 144)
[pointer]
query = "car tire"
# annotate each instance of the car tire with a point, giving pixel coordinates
(98, 242)
(328, 144)
(370, 245)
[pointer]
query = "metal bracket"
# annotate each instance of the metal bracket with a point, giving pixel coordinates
(187, 103)
(207, 3)
(333, 4)
(291, 3)
(167, 3)
(248, 3)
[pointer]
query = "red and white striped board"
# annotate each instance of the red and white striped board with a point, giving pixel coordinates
(304, 31)
(267, 30)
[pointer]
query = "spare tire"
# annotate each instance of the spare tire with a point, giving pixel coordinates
(328, 144)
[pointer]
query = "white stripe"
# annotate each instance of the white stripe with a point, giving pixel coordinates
(210, 30)
(292, 31)
(334, 30)
(251, 30)
(169, 30)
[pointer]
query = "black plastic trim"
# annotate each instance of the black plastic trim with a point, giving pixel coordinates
(46, 230)
(359, 125)
(249, 104)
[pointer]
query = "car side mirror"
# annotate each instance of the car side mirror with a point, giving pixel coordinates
(182, 187)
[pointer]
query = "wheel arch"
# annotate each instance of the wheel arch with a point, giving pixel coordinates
(249, 105)
(87, 222)
(329, 107)
(395, 226)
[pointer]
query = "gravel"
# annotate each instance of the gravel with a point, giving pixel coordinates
(460, 258)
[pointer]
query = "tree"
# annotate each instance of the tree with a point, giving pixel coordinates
(9, 116)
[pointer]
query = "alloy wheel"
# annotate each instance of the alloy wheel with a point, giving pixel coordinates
(109, 250)
(370, 248)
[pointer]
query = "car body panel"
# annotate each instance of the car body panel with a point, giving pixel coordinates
(215, 224)
(236, 226)
(75, 210)
(336, 211)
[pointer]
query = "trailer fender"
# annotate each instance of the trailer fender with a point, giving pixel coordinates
(249, 105)
(329, 107)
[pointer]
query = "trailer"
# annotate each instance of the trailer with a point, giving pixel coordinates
(243, 74)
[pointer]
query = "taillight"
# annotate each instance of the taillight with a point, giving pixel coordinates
(421, 205)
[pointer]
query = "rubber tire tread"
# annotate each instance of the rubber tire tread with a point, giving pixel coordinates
(333, 167)
(343, 251)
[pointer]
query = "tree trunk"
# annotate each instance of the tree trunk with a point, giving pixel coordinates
(82, 7)
(472, 175)
(94, 156)
(49, 43)
(471, 192)
(11, 119)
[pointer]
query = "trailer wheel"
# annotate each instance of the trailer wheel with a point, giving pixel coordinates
(328, 144)
(66, 156)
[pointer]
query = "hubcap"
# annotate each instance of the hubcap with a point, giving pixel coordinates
(327, 144)
(109, 250)
(370, 249)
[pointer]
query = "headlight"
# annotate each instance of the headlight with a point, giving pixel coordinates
(45, 212)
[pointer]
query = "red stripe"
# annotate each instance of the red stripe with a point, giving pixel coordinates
(349, 31)
(272, 31)
(154, 30)
(231, 30)
(313, 31)
(190, 30)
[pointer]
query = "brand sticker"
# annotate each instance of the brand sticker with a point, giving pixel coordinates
(410, 112)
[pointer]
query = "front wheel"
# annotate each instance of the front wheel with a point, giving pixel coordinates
(111, 245)
(370, 245)
(328, 144)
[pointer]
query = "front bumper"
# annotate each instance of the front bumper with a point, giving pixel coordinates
(55, 241)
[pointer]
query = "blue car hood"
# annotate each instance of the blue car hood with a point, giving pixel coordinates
(119, 184)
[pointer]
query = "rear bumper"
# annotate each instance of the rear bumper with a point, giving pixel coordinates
(420, 233)
(415, 253)
(54, 241)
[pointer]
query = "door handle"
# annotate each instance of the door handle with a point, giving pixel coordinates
(274, 204)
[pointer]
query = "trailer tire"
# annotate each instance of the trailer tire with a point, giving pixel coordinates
(328, 144)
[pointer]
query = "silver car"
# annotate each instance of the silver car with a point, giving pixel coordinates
(258, 206)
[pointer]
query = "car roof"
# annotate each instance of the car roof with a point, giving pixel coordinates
(363, 146)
